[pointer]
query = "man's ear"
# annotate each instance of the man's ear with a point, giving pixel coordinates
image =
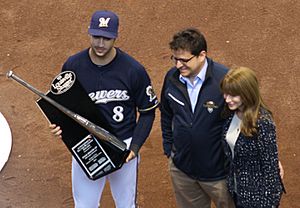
(203, 53)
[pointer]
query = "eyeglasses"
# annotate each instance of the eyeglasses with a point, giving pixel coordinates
(182, 61)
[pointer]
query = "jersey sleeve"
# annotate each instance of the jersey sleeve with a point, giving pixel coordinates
(67, 66)
(144, 95)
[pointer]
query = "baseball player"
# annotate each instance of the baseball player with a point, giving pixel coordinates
(120, 87)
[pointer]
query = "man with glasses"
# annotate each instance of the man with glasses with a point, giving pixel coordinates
(191, 106)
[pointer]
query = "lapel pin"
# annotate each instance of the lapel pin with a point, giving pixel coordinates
(210, 105)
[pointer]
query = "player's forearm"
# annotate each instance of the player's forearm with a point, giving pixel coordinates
(142, 130)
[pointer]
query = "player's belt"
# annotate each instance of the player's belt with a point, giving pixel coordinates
(97, 151)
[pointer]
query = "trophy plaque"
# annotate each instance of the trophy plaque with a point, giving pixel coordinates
(96, 156)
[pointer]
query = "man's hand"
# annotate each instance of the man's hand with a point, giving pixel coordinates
(130, 156)
(55, 130)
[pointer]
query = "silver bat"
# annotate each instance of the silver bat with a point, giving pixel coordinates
(97, 131)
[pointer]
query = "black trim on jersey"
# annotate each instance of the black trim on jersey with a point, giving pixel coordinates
(136, 180)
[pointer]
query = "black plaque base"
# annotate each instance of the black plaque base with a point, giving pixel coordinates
(96, 157)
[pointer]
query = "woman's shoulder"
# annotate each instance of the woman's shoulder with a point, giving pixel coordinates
(266, 124)
(265, 115)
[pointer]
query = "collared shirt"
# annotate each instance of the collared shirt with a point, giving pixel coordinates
(194, 88)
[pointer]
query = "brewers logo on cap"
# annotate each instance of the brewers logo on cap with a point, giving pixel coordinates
(105, 24)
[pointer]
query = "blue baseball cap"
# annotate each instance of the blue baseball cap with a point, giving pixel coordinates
(104, 23)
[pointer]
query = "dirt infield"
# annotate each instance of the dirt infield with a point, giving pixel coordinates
(37, 37)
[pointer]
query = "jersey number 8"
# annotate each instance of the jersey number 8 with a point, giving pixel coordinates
(118, 113)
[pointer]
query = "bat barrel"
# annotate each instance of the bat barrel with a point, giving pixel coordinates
(88, 125)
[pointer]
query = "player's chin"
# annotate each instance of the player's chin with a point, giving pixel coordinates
(100, 53)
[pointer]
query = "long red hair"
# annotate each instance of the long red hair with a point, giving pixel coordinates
(242, 81)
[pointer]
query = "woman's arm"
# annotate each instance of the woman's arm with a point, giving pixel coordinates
(272, 186)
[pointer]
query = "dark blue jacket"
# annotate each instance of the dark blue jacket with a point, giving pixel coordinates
(195, 139)
(255, 165)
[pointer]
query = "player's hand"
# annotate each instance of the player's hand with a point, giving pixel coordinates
(281, 171)
(55, 130)
(130, 156)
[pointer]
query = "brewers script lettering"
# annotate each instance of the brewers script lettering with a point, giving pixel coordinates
(105, 96)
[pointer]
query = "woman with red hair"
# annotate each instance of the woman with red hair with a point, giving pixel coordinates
(250, 143)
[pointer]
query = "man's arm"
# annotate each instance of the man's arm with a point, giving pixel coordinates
(166, 122)
(141, 132)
